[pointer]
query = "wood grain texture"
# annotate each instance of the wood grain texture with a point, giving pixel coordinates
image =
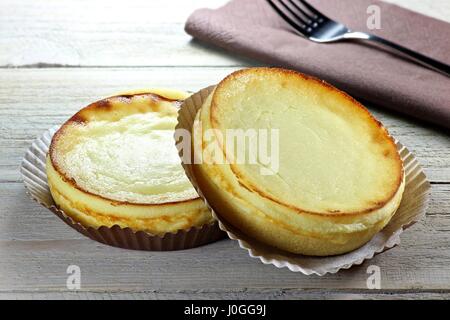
(260, 294)
(101, 33)
(420, 263)
(36, 248)
(436, 9)
(144, 45)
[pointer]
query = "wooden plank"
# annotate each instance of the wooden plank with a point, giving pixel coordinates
(36, 249)
(436, 9)
(98, 33)
(420, 263)
(33, 100)
(260, 294)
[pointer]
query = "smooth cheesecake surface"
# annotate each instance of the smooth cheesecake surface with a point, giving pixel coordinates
(115, 162)
(339, 179)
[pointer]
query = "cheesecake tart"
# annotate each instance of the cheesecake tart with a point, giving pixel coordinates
(115, 163)
(338, 177)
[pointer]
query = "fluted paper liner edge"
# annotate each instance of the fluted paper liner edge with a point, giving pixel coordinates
(412, 209)
(35, 180)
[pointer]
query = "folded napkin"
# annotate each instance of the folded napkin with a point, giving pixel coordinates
(253, 29)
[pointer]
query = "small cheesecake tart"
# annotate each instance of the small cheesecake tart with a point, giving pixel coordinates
(334, 182)
(115, 163)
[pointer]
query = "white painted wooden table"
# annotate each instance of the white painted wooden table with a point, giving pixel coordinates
(57, 56)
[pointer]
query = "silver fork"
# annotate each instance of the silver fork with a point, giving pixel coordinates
(317, 27)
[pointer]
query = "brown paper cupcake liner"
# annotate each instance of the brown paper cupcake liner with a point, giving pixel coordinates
(35, 180)
(412, 208)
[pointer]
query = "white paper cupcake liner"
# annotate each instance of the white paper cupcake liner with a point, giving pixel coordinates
(412, 208)
(35, 180)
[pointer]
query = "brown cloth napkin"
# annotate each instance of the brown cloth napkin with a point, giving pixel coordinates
(253, 29)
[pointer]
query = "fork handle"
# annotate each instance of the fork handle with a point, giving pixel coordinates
(415, 56)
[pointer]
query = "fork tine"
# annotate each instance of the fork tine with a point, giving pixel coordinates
(297, 6)
(313, 10)
(287, 18)
(296, 15)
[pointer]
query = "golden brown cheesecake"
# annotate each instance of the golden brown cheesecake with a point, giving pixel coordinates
(338, 179)
(115, 162)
